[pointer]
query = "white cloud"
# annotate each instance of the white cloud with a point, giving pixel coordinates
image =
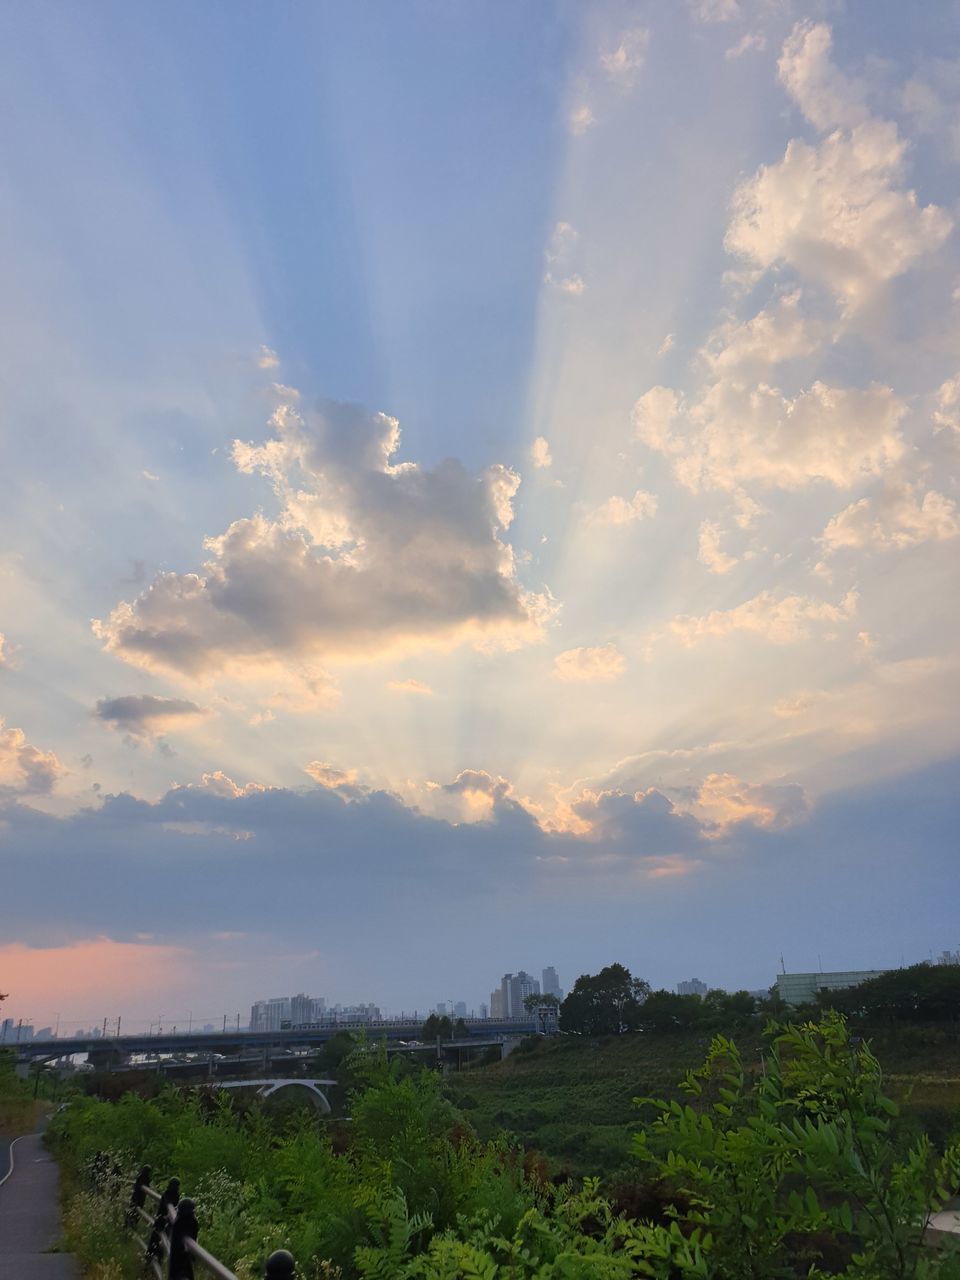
(143, 715)
(946, 414)
(709, 551)
(775, 334)
(715, 10)
(573, 286)
(327, 775)
(726, 800)
(4, 656)
(149, 475)
(902, 516)
(736, 434)
(409, 686)
(749, 43)
(366, 556)
(828, 98)
(834, 211)
(931, 102)
(25, 769)
(267, 359)
(623, 511)
(605, 662)
(540, 453)
(780, 620)
(581, 119)
(666, 345)
(624, 63)
(563, 238)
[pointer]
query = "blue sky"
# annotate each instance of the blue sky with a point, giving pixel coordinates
(494, 470)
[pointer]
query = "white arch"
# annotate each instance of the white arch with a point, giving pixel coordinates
(266, 1089)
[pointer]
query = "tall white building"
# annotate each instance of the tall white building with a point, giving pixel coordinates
(515, 987)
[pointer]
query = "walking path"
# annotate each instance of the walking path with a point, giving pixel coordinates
(30, 1214)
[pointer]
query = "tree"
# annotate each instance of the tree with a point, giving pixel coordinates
(605, 1004)
(436, 1025)
(797, 1172)
(535, 1001)
(920, 993)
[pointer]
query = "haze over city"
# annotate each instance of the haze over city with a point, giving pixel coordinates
(479, 492)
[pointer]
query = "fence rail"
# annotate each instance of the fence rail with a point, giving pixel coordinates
(279, 1266)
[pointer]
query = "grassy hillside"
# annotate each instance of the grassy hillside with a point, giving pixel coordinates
(572, 1098)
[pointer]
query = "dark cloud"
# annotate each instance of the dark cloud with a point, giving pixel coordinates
(142, 715)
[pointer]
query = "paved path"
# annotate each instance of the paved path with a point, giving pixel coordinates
(30, 1216)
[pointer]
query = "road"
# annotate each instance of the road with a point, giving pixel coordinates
(30, 1214)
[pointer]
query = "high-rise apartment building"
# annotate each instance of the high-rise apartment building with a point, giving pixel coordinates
(515, 987)
(692, 988)
(497, 1004)
(551, 982)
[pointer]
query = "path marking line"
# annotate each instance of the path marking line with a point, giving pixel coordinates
(12, 1145)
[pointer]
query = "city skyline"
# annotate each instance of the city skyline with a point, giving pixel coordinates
(479, 482)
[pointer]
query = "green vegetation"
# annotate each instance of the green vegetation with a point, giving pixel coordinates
(797, 1170)
(17, 1107)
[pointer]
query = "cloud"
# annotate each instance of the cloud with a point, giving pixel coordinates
(366, 557)
(828, 98)
(409, 686)
(775, 334)
(581, 119)
(749, 43)
(725, 800)
(4, 652)
(573, 286)
(931, 102)
(666, 345)
(946, 414)
(735, 433)
(624, 63)
(605, 662)
(144, 715)
(709, 552)
(540, 453)
(267, 359)
(563, 238)
(903, 515)
(715, 10)
(623, 511)
(25, 770)
(834, 211)
(327, 775)
(780, 620)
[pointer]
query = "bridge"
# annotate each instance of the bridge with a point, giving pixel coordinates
(108, 1051)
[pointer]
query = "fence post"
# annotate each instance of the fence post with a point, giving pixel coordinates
(280, 1266)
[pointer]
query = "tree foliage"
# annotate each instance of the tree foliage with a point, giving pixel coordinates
(605, 1004)
(436, 1025)
(920, 993)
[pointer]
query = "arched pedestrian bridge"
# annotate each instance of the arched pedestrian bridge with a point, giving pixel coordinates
(268, 1088)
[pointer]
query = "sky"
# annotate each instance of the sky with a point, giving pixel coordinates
(479, 491)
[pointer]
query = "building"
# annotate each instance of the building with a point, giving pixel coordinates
(460, 1009)
(948, 957)
(803, 988)
(692, 988)
(515, 987)
(497, 1007)
(441, 1008)
(551, 983)
(484, 1011)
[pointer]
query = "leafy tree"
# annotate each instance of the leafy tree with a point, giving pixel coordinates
(605, 1004)
(796, 1172)
(920, 993)
(436, 1025)
(460, 1029)
(536, 1001)
(666, 1011)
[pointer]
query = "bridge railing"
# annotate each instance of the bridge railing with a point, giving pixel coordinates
(279, 1266)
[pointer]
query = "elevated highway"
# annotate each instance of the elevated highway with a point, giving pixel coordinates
(229, 1043)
